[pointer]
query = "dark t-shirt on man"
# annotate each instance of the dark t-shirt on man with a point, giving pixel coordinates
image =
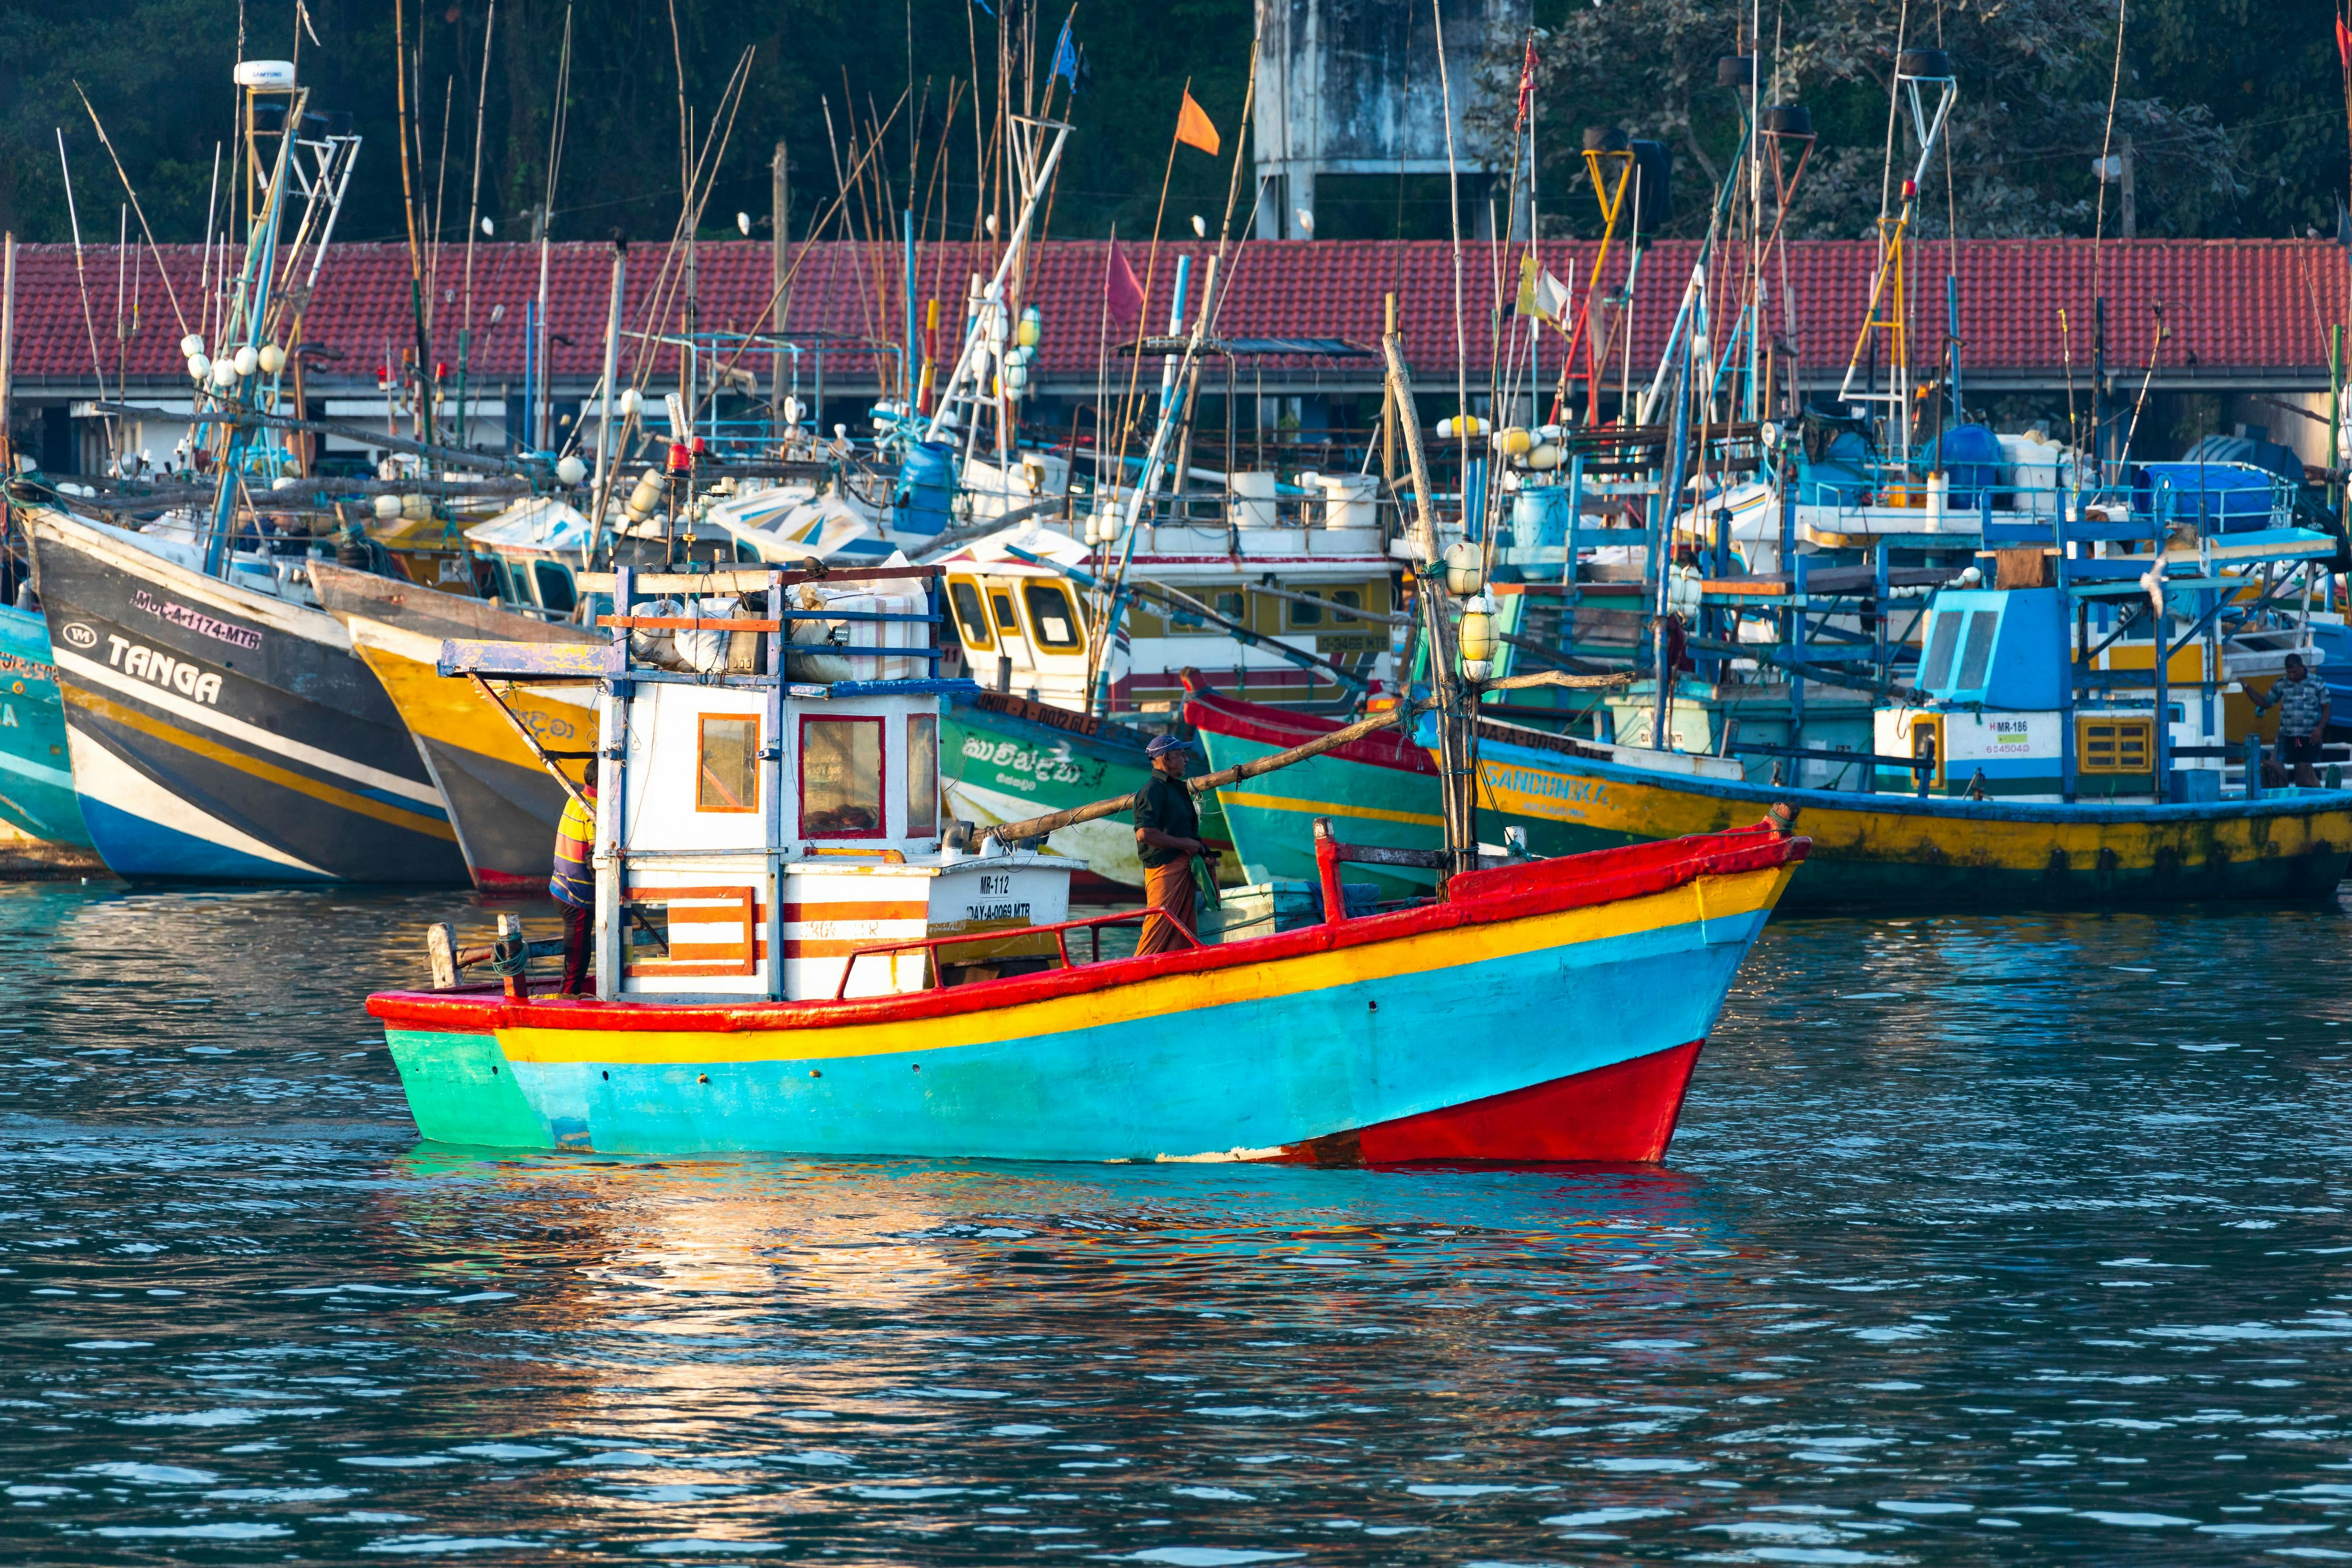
(1166, 804)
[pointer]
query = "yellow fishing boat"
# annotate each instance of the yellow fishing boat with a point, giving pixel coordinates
(502, 802)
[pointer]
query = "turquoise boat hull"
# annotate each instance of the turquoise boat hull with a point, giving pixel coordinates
(1549, 1010)
(36, 786)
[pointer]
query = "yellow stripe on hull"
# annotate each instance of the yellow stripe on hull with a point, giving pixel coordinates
(1326, 808)
(1874, 855)
(269, 772)
(454, 714)
(1145, 1004)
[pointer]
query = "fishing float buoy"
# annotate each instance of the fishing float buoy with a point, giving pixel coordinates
(1460, 425)
(630, 402)
(1544, 458)
(191, 346)
(272, 358)
(224, 373)
(1031, 329)
(1514, 442)
(199, 367)
(248, 359)
(417, 509)
(570, 470)
(647, 497)
(387, 508)
(1465, 570)
(1474, 636)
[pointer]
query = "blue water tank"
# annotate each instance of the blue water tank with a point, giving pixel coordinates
(1539, 516)
(2220, 498)
(1839, 479)
(1971, 457)
(926, 487)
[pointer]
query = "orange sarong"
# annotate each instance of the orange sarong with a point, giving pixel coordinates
(1167, 887)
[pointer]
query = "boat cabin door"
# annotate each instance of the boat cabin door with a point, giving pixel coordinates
(1927, 751)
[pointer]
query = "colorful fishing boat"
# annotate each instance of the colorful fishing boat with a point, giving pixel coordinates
(1900, 851)
(221, 732)
(36, 792)
(487, 753)
(1381, 789)
(1005, 759)
(789, 958)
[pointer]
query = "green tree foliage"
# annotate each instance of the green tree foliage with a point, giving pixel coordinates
(158, 71)
(2236, 107)
(2228, 104)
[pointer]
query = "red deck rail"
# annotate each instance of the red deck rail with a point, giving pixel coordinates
(1092, 926)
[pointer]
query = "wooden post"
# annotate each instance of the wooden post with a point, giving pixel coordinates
(441, 946)
(1327, 866)
(518, 986)
(1458, 788)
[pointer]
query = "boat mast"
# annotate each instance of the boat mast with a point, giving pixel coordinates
(1924, 87)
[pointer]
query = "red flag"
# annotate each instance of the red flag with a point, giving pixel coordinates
(2344, 43)
(1120, 290)
(1527, 78)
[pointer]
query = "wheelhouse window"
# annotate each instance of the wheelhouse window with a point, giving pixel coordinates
(556, 593)
(841, 778)
(727, 763)
(922, 775)
(1304, 614)
(1052, 619)
(969, 614)
(1001, 602)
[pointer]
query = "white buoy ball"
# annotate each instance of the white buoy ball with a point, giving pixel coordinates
(248, 359)
(387, 508)
(272, 358)
(570, 470)
(191, 346)
(629, 403)
(199, 367)
(224, 372)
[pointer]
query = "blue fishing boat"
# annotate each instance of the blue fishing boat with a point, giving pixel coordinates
(36, 792)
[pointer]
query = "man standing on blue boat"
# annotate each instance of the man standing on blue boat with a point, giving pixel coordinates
(573, 886)
(2301, 702)
(1167, 837)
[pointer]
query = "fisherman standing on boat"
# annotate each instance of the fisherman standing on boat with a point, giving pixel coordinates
(1167, 837)
(573, 885)
(2302, 701)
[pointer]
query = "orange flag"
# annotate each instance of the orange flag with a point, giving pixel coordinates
(1193, 127)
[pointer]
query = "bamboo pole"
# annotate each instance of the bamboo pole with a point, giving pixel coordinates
(1052, 822)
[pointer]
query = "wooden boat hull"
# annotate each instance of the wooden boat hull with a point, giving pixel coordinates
(220, 734)
(1382, 792)
(502, 804)
(1005, 759)
(37, 791)
(1551, 1011)
(1898, 852)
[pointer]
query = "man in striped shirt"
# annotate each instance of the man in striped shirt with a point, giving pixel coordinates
(2302, 701)
(573, 886)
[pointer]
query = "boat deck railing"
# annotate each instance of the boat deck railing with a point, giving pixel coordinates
(1060, 931)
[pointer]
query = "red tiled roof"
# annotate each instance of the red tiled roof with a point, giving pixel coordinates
(2232, 305)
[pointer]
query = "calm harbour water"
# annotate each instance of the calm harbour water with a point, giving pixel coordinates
(1985, 1241)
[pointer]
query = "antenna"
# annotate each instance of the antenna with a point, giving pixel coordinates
(1925, 88)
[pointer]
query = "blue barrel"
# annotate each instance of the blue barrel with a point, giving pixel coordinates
(926, 487)
(1539, 516)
